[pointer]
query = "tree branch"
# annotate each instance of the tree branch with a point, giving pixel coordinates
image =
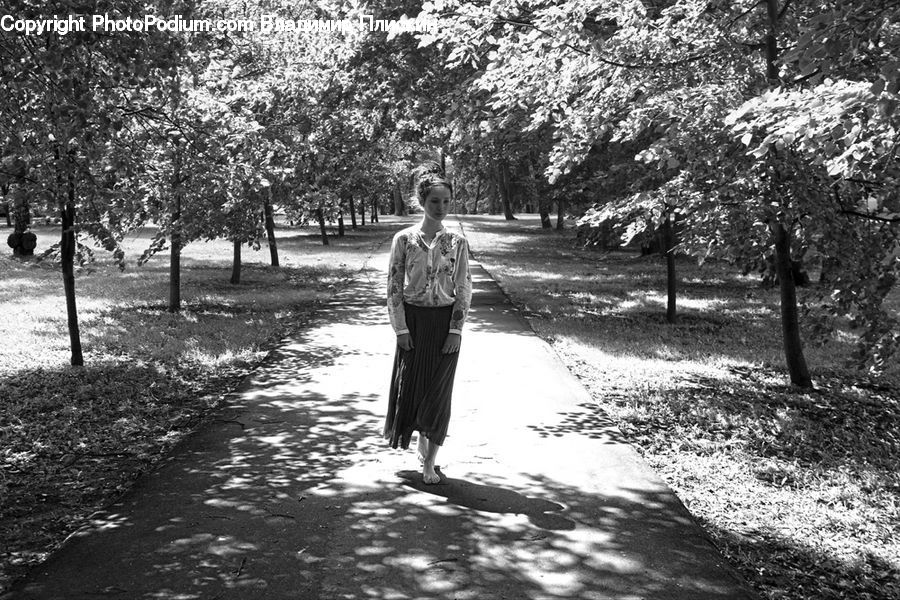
(805, 77)
(744, 14)
(871, 217)
(784, 8)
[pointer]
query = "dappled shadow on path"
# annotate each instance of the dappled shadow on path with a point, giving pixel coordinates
(588, 421)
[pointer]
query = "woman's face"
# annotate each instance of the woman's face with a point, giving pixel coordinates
(437, 202)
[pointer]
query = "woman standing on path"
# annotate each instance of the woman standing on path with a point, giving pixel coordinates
(429, 292)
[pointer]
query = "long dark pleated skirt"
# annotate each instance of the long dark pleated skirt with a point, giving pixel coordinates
(422, 379)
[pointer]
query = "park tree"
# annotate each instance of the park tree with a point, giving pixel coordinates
(70, 96)
(235, 130)
(669, 76)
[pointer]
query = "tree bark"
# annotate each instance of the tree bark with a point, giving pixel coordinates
(545, 216)
(341, 222)
(771, 41)
(321, 218)
(4, 190)
(236, 263)
(671, 279)
(175, 237)
(374, 218)
(790, 320)
(270, 228)
(494, 197)
(399, 206)
(67, 258)
(560, 214)
(362, 213)
(352, 212)
(503, 178)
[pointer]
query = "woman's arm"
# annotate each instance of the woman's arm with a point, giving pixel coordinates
(462, 279)
(395, 283)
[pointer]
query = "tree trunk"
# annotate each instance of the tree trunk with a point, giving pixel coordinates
(560, 215)
(374, 218)
(399, 206)
(545, 216)
(494, 195)
(771, 42)
(352, 213)
(270, 228)
(341, 222)
(503, 178)
(175, 238)
(67, 258)
(671, 279)
(790, 321)
(236, 263)
(4, 190)
(321, 219)
(362, 213)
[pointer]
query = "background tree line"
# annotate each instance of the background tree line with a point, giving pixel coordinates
(762, 132)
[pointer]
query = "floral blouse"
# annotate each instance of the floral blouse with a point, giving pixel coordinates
(423, 274)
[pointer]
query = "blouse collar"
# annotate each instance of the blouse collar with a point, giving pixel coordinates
(421, 235)
(440, 231)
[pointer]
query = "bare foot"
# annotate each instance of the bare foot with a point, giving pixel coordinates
(429, 475)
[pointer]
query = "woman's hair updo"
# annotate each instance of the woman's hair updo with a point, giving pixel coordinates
(429, 175)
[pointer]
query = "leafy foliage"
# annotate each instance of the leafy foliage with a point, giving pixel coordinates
(681, 86)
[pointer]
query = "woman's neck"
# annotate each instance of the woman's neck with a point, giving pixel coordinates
(429, 225)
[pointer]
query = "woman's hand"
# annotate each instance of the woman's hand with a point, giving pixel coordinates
(405, 342)
(451, 345)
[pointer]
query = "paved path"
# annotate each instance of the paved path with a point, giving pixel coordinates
(291, 493)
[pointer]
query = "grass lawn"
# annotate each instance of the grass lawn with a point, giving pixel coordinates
(72, 439)
(801, 491)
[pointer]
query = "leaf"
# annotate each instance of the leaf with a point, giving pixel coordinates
(894, 86)
(878, 87)
(760, 151)
(746, 139)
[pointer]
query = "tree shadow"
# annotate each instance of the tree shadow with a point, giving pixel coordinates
(491, 498)
(588, 421)
(833, 428)
(786, 567)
